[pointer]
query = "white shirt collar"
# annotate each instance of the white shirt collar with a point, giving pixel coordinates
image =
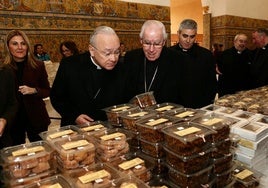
(98, 67)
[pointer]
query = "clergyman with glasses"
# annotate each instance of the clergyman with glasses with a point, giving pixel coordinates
(153, 67)
(86, 83)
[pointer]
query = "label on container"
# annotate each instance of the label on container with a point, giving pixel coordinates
(28, 151)
(157, 121)
(184, 114)
(131, 163)
(137, 114)
(168, 107)
(187, 131)
(94, 176)
(212, 121)
(57, 185)
(93, 128)
(246, 143)
(116, 136)
(75, 144)
(60, 134)
(120, 108)
(244, 174)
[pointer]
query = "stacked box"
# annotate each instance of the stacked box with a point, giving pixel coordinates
(188, 152)
(27, 163)
(113, 113)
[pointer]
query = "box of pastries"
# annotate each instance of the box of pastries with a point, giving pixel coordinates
(130, 118)
(113, 113)
(144, 100)
(59, 133)
(150, 127)
(74, 152)
(28, 160)
(56, 181)
(164, 107)
(113, 144)
(99, 175)
(185, 114)
(188, 138)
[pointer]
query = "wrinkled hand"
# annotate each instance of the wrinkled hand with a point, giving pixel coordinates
(26, 90)
(83, 119)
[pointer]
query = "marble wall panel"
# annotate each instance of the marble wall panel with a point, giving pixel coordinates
(52, 21)
(224, 28)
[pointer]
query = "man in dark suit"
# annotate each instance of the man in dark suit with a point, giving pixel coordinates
(259, 66)
(234, 66)
(85, 84)
(198, 79)
(153, 67)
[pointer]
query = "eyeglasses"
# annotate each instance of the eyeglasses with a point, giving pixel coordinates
(108, 54)
(148, 44)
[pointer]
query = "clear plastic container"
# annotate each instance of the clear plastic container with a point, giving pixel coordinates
(113, 113)
(57, 134)
(190, 180)
(151, 148)
(150, 127)
(246, 177)
(56, 181)
(98, 175)
(23, 182)
(222, 162)
(211, 107)
(130, 118)
(135, 165)
(188, 164)
(144, 100)
(188, 138)
(28, 160)
(217, 122)
(94, 128)
(112, 144)
(222, 147)
(224, 178)
(75, 152)
(164, 107)
(159, 167)
(129, 182)
(185, 114)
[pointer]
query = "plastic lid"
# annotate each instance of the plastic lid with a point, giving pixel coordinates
(188, 132)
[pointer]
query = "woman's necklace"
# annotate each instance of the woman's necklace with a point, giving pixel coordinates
(145, 77)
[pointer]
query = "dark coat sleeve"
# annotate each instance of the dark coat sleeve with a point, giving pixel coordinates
(8, 104)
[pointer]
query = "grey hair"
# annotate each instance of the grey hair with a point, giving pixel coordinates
(156, 23)
(240, 34)
(188, 24)
(100, 30)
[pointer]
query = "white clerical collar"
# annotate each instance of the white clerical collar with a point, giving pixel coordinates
(184, 50)
(98, 67)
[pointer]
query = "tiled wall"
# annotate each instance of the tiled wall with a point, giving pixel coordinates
(52, 21)
(224, 28)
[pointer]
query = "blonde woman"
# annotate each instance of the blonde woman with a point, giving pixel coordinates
(32, 86)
